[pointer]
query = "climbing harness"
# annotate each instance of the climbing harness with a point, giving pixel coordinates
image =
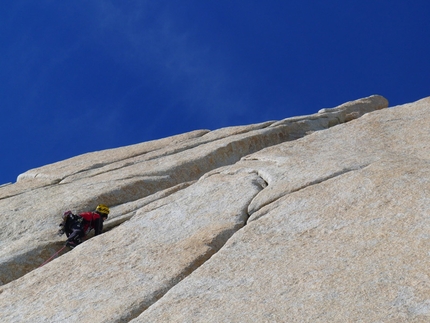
(53, 256)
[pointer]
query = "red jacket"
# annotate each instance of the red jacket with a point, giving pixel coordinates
(91, 221)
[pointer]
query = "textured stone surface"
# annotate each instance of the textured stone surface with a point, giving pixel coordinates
(132, 175)
(340, 233)
(349, 249)
(122, 272)
(276, 222)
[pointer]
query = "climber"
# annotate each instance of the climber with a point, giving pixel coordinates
(76, 227)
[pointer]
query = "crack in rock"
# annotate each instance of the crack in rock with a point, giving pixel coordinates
(213, 243)
(317, 181)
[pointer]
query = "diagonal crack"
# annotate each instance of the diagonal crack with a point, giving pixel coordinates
(317, 181)
(212, 244)
(331, 176)
(215, 244)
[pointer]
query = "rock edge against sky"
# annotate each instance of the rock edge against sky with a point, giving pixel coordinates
(318, 218)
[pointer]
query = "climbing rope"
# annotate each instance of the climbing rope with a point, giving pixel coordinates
(52, 257)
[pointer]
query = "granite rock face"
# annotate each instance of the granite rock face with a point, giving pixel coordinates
(320, 218)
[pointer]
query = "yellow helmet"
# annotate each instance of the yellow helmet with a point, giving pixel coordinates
(101, 208)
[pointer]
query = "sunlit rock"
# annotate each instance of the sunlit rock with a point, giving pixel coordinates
(320, 218)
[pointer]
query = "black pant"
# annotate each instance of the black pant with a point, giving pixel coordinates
(74, 232)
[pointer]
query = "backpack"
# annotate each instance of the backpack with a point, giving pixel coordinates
(70, 222)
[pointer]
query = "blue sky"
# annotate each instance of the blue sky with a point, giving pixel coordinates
(80, 76)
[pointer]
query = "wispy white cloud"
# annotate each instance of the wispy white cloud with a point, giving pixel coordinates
(187, 69)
